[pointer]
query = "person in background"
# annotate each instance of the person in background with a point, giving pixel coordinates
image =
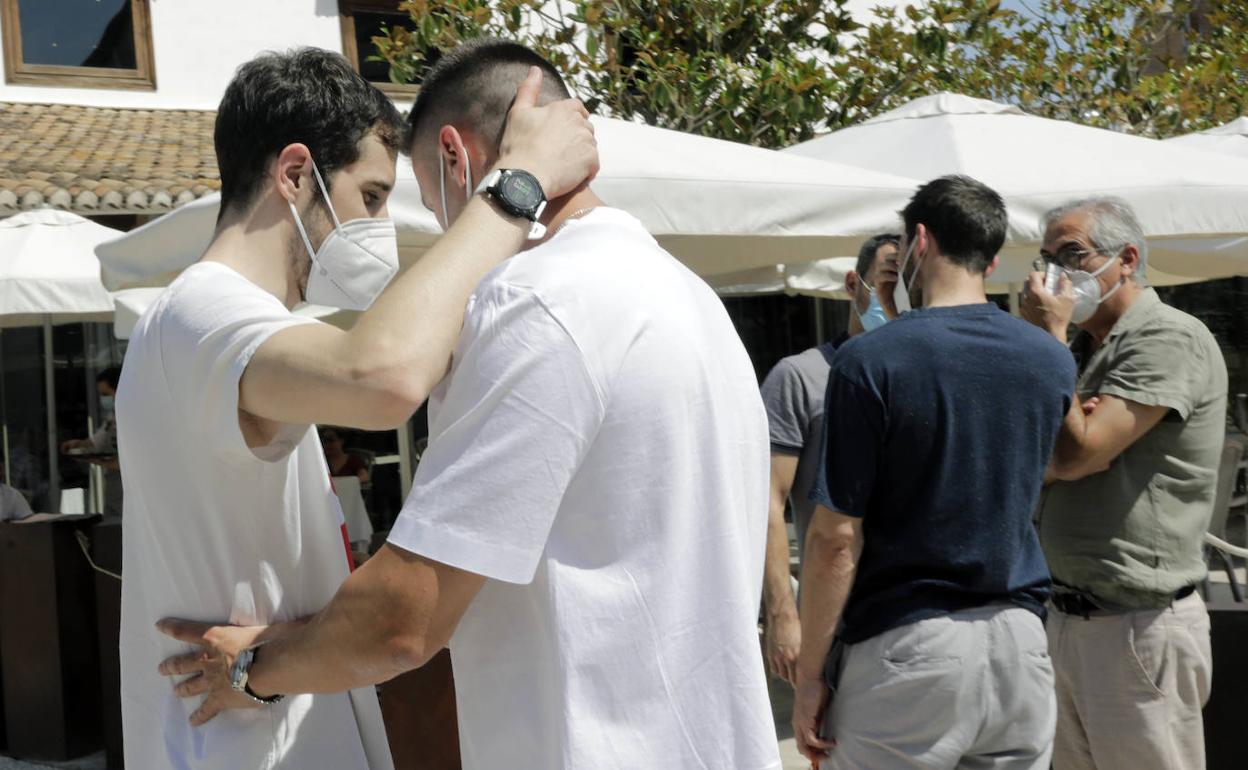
(340, 461)
(921, 559)
(793, 395)
(1132, 489)
(104, 440)
(13, 505)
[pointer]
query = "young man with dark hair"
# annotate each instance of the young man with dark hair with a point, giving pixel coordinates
(557, 535)
(793, 394)
(921, 556)
(230, 511)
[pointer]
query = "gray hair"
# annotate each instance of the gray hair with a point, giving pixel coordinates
(1114, 225)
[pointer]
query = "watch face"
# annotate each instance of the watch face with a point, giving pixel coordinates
(521, 190)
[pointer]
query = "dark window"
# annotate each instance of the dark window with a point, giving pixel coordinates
(101, 35)
(363, 20)
(91, 43)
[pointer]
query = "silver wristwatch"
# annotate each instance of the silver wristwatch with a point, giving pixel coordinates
(238, 678)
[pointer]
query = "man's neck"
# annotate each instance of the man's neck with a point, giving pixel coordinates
(947, 285)
(254, 245)
(1103, 321)
(574, 204)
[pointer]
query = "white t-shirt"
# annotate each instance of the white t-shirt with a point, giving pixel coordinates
(599, 451)
(214, 532)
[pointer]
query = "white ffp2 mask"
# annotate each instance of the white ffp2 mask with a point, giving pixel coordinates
(355, 261)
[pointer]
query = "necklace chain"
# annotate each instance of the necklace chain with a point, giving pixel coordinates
(575, 215)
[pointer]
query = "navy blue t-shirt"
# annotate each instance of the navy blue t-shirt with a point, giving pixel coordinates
(938, 429)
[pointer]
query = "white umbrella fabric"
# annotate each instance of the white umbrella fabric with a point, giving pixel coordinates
(48, 269)
(1193, 205)
(1228, 139)
(720, 207)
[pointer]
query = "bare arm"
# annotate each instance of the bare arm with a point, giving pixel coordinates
(781, 629)
(1092, 439)
(377, 374)
(392, 615)
(829, 566)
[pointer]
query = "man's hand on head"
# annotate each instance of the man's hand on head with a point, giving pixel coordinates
(207, 668)
(554, 142)
(1051, 312)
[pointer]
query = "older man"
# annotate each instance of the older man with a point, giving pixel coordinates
(793, 394)
(1132, 488)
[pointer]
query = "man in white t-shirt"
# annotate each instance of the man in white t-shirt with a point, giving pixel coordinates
(586, 527)
(228, 508)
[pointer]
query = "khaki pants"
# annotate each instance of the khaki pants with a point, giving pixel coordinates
(1130, 688)
(972, 690)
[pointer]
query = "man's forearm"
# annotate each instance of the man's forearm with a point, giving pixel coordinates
(828, 570)
(406, 338)
(778, 598)
(354, 642)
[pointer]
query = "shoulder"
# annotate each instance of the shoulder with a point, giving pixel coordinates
(1036, 342)
(208, 295)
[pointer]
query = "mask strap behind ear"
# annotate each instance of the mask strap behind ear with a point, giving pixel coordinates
(303, 233)
(442, 189)
(321, 183)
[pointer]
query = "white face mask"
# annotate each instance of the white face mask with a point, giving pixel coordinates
(355, 262)
(901, 293)
(1088, 291)
(446, 217)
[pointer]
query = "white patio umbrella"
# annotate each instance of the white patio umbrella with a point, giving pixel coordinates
(1193, 206)
(48, 269)
(1228, 138)
(49, 275)
(721, 207)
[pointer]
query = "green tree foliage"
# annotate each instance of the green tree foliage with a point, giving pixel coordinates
(775, 72)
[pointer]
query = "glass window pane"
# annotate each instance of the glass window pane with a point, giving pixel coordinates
(367, 26)
(78, 33)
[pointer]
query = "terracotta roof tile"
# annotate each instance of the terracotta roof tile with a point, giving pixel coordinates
(95, 160)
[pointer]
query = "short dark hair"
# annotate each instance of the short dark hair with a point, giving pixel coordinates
(966, 216)
(306, 95)
(474, 84)
(111, 375)
(866, 254)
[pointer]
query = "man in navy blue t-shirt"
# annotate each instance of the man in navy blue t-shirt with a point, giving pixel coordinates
(921, 556)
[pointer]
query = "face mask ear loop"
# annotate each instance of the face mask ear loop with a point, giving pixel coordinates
(321, 183)
(303, 233)
(446, 225)
(468, 189)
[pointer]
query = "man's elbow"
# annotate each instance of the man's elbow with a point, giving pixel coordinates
(389, 397)
(1073, 466)
(409, 650)
(834, 547)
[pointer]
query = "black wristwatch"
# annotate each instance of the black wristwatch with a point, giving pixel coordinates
(239, 674)
(519, 194)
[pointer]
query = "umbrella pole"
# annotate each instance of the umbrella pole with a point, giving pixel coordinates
(4, 418)
(54, 479)
(1016, 289)
(405, 457)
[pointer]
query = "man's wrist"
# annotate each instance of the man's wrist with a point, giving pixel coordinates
(518, 162)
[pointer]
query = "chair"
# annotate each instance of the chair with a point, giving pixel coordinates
(1228, 472)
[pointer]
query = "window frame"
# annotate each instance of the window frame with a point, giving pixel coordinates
(18, 72)
(346, 17)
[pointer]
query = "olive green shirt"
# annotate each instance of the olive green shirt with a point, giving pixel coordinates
(1132, 535)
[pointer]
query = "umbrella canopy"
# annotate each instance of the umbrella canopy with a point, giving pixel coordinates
(1228, 139)
(720, 207)
(48, 269)
(1193, 206)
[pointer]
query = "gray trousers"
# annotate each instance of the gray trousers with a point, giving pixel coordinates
(970, 690)
(1130, 688)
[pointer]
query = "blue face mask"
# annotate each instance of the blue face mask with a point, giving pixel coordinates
(106, 403)
(875, 317)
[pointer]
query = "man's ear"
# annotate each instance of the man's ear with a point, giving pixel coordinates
(453, 152)
(1130, 260)
(992, 266)
(293, 163)
(851, 283)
